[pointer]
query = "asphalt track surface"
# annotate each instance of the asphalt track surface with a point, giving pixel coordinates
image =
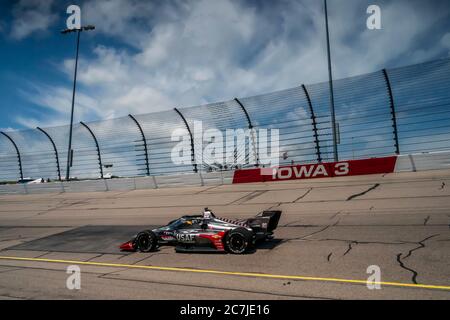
(330, 232)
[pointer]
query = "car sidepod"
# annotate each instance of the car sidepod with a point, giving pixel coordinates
(200, 241)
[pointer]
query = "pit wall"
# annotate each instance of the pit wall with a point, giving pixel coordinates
(401, 163)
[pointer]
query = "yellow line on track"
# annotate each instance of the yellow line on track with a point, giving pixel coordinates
(229, 273)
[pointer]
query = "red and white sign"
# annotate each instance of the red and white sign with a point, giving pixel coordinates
(318, 170)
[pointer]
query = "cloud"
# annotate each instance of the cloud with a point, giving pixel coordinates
(445, 41)
(57, 101)
(180, 53)
(31, 16)
(6, 129)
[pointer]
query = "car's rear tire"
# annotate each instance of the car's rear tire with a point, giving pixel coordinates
(146, 241)
(238, 241)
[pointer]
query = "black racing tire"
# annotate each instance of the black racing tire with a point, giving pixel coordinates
(238, 241)
(146, 241)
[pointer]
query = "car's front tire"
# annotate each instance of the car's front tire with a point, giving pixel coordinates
(146, 241)
(238, 240)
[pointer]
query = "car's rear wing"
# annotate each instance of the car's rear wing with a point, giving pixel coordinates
(266, 220)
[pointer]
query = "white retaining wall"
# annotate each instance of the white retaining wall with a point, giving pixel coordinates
(122, 184)
(405, 163)
(423, 161)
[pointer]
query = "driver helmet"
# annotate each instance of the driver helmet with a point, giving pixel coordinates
(207, 214)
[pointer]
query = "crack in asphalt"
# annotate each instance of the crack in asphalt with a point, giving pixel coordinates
(426, 220)
(216, 287)
(111, 272)
(149, 257)
(134, 263)
(97, 256)
(351, 243)
(248, 197)
(402, 265)
(421, 245)
(359, 242)
(316, 232)
(376, 185)
(350, 247)
(289, 224)
(304, 237)
(336, 214)
(65, 203)
(242, 204)
(207, 189)
(303, 195)
(41, 255)
(400, 258)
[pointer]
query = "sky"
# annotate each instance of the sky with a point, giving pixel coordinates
(147, 56)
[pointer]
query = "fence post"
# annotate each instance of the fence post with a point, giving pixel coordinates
(97, 146)
(145, 143)
(18, 154)
(252, 132)
(58, 169)
(392, 105)
(194, 164)
(314, 123)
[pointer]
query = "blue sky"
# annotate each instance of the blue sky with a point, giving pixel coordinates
(147, 56)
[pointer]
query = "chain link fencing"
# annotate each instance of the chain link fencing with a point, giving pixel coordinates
(397, 111)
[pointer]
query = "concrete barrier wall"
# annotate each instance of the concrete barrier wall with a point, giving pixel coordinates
(423, 161)
(403, 163)
(317, 170)
(122, 184)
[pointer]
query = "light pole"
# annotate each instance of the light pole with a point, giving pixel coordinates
(69, 151)
(330, 81)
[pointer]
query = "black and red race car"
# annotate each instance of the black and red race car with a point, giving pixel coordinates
(206, 233)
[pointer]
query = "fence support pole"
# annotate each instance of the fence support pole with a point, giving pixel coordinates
(145, 143)
(252, 132)
(18, 154)
(98, 148)
(314, 123)
(58, 169)
(392, 105)
(194, 164)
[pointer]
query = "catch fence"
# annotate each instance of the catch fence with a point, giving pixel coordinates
(397, 111)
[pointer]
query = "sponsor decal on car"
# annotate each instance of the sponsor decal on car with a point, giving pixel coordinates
(185, 237)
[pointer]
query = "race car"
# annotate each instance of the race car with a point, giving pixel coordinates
(208, 233)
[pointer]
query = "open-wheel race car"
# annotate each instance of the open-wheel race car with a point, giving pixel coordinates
(207, 233)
